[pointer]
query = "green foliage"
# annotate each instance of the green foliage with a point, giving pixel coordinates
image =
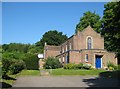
(111, 26)
(73, 66)
(87, 66)
(52, 63)
(77, 66)
(16, 47)
(12, 66)
(5, 66)
(16, 66)
(70, 66)
(119, 67)
(111, 66)
(52, 37)
(91, 19)
(31, 61)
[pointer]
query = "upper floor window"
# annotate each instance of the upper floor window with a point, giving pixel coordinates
(66, 47)
(70, 46)
(63, 50)
(89, 43)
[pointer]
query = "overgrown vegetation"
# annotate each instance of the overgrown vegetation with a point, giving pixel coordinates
(111, 66)
(11, 66)
(52, 63)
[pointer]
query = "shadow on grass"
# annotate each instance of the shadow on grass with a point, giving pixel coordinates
(105, 79)
(4, 85)
(6, 77)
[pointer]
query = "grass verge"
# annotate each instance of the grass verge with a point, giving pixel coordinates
(30, 73)
(75, 72)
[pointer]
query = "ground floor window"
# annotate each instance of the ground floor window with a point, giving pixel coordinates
(63, 60)
(86, 57)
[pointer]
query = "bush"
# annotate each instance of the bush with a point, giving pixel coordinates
(16, 66)
(11, 66)
(70, 66)
(118, 67)
(73, 66)
(31, 62)
(52, 63)
(111, 66)
(87, 66)
(5, 66)
(80, 66)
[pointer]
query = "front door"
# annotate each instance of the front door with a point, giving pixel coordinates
(98, 62)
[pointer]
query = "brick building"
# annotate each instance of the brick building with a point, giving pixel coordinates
(85, 46)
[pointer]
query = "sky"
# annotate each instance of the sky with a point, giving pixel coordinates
(26, 22)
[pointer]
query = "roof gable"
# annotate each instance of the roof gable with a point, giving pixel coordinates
(89, 30)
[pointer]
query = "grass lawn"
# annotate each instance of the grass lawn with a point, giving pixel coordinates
(75, 72)
(30, 73)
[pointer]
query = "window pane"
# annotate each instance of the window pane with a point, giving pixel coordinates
(89, 43)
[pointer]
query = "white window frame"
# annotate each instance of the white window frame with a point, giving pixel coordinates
(87, 42)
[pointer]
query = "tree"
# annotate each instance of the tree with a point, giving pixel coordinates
(52, 37)
(111, 26)
(91, 19)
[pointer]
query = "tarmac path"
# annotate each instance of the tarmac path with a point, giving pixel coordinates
(65, 81)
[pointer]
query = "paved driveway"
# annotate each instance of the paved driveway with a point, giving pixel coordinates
(64, 81)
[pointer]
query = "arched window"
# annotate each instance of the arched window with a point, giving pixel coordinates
(89, 43)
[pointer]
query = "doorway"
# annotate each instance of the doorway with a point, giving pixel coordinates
(98, 61)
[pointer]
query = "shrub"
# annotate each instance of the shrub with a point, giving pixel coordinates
(52, 63)
(16, 66)
(70, 66)
(73, 66)
(11, 66)
(5, 66)
(80, 65)
(111, 66)
(118, 67)
(31, 62)
(87, 66)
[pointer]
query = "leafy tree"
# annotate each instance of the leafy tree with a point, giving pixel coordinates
(51, 37)
(91, 19)
(16, 47)
(111, 26)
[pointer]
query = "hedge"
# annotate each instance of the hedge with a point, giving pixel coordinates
(31, 62)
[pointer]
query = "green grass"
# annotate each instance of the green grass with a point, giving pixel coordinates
(75, 72)
(30, 73)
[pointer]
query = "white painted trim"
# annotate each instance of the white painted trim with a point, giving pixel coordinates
(69, 46)
(66, 47)
(91, 42)
(101, 63)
